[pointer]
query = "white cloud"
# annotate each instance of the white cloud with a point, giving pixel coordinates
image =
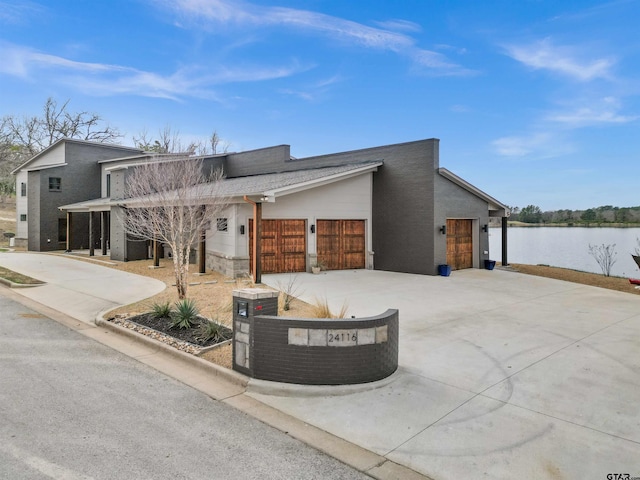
(209, 14)
(400, 25)
(604, 111)
(564, 60)
(538, 145)
(12, 13)
(314, 91)
(105, 79)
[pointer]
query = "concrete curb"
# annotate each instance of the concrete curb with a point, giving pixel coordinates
(266, 387)
(207, 367)
(10, 284)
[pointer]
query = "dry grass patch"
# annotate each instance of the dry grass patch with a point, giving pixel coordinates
(575, 276)
(18, 278)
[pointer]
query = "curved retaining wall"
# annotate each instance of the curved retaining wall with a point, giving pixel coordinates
(317, 351)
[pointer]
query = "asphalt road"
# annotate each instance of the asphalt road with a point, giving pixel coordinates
(71, 408)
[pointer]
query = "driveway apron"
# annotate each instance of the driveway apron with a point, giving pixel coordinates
(80, 289)
(502, 375)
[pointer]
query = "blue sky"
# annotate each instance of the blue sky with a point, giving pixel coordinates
(535, 102)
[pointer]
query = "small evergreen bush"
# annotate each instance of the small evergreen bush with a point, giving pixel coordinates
(161, 310)
(210, 330)
(185, 314)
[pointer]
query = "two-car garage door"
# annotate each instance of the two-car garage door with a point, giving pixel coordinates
(340, 244)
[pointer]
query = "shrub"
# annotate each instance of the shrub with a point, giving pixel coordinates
(185, 314)
(161, 310)
(604, 255)
(321, 309)
(210, 330)
(289, 290)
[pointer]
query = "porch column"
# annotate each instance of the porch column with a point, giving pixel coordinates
(92, 250)
(504, 242)
(156, 253)
(202, 255)
(69, 231)
(257, 243)
(256, 268)
(103, 232)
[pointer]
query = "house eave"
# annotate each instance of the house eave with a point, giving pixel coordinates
(271, 195)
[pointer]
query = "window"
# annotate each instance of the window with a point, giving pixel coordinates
(23, 217)
(108, 184)
(55, 184)
(221, 224)
(23, 189)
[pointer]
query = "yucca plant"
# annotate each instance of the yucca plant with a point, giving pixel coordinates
(161, 310)
(185, 314)
(210, 330)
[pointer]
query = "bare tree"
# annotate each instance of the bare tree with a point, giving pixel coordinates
(56, 122)
(169, 141)
(23, 137)
(173, 202)
(605, 256)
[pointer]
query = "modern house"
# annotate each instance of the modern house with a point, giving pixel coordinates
(66, 172)
(387, 208)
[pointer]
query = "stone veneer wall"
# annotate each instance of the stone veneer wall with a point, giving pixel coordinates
(231, 267)
(313, 351)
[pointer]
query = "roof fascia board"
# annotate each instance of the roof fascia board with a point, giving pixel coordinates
(299, 187)
(72, 140)
(46, 167)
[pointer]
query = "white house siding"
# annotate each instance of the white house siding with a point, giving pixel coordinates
(55, 156)
(22, 232)
(224, 243)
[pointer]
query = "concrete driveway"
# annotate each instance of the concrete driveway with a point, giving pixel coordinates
(502, 375)
(80, 289)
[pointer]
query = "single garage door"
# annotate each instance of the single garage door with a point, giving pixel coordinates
(460, 244)
(341, 244)
(283, 246)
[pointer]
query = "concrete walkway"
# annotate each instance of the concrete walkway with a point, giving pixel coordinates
(80, 289)
(502, 375)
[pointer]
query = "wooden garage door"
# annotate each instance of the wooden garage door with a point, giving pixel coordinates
(460, 244)
(341, 244)
(283, 246)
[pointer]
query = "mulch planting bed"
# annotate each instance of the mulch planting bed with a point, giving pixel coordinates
(189, 340)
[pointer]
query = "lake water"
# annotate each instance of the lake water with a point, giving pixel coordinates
(567, 247)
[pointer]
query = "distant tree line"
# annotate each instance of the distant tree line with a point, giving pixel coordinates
(591, 216)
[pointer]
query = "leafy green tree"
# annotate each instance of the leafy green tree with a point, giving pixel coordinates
(531, 214)
(589, 215)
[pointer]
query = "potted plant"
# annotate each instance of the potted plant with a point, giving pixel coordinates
(317, 267)
(444, 270)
